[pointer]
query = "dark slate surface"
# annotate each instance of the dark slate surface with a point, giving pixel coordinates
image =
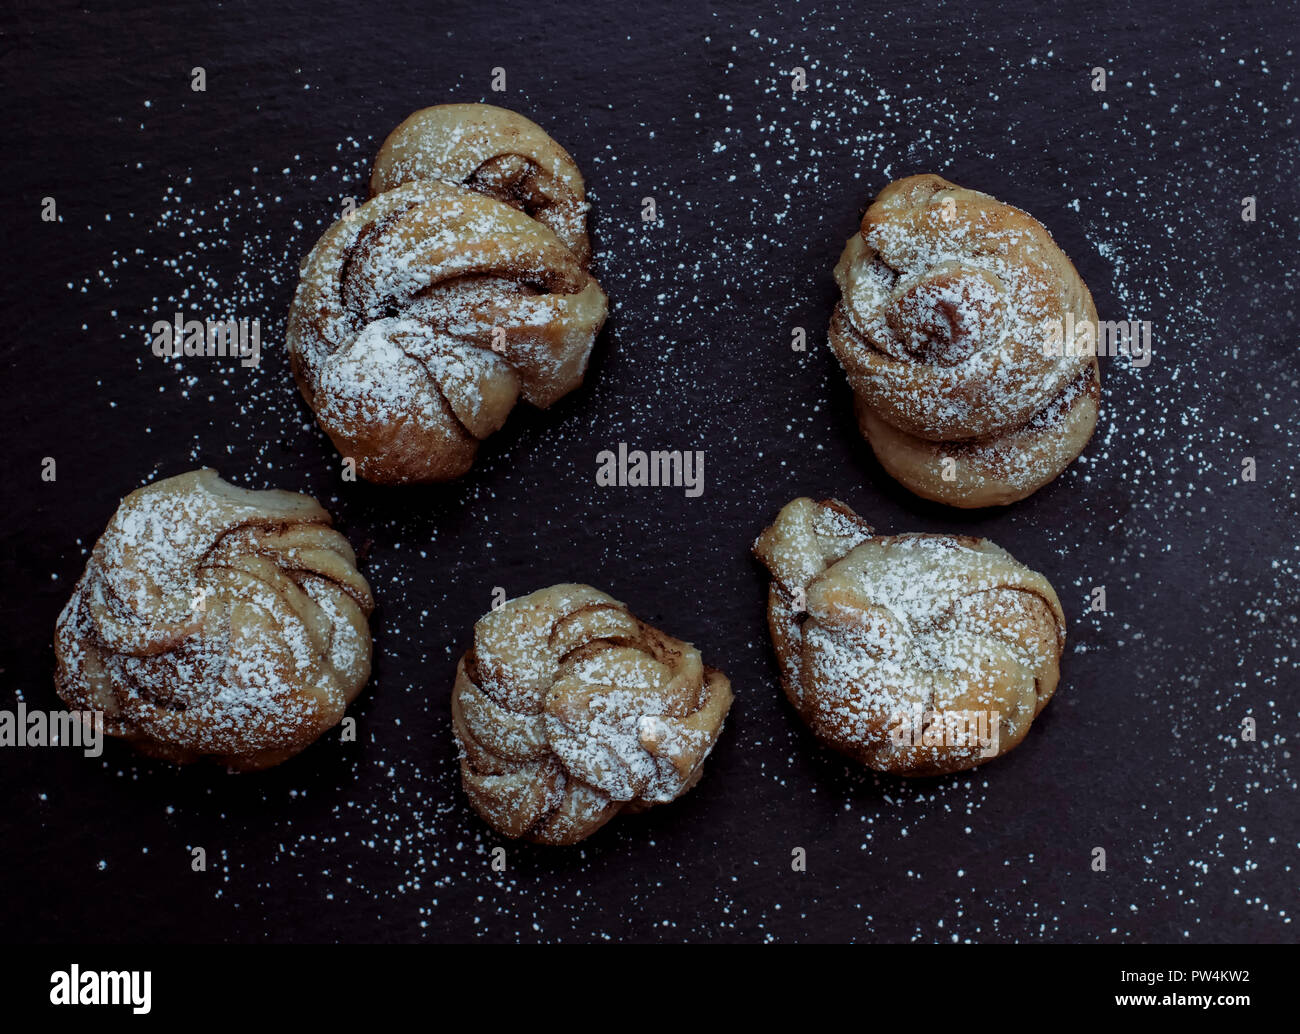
(207, 200)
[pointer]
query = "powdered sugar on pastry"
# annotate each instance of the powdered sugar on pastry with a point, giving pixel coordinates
(215, 621)
(423, 316)
(569, 710)
(890, 627)
(950, 300)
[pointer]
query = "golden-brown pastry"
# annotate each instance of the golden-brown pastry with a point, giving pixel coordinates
(495, 152)
(216, 621)
(915, 654)
(422, 317)
(951, 324)
(568, 710)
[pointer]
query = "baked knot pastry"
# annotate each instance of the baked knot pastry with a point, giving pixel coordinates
(568, 710)
(215, 621)
(915, 654)
(950, 328)
(422, 317)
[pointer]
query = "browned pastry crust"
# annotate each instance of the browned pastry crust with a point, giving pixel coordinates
(989, 471)
(494, 152)
(945, 329)
(216, 621)
(878, 635)
(421, 318)
(568, 710)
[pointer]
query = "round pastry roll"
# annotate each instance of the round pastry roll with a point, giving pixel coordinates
(914, 654)
(213, 621)
(422, 317)
(568, 710)
(969, 340)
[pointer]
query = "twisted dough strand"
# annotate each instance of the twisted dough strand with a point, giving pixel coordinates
(495, 152)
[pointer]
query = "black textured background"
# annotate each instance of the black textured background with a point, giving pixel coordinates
(169, 197)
